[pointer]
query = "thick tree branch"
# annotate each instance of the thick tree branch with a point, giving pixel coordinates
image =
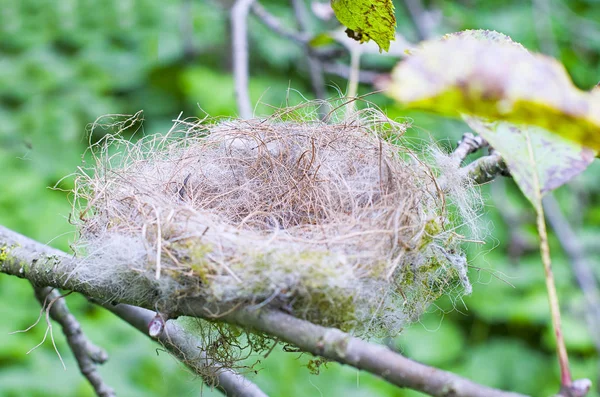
(25, 258)
(339, 346)
(188, 349)
(86, 353)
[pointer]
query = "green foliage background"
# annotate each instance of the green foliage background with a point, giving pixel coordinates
(64, 63)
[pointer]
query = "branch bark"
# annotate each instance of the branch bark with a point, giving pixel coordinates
(188, 349)
(486, 169)
(86, 353)
(271, 22)
(25, 258)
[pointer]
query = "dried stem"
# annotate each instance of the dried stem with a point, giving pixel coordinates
(563, 360)
(86, 353)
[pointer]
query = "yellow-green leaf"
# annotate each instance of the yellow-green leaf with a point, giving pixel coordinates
(367, 20)
(486, 74)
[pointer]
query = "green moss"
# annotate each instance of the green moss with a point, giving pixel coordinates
(328, 308)
(314, 366)
(408, 277)
(193, 254)
(3, 254)
(433, 228)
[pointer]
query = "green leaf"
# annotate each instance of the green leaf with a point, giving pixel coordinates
(321, 39)
(486, 74)
(555, 160)
(367, 19)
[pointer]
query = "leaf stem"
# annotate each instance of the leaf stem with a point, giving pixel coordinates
(563, 359)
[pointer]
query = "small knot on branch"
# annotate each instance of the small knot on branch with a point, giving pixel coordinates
(578, 388)
(156, 326)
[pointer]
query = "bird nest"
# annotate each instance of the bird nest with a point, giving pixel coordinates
(339, 223)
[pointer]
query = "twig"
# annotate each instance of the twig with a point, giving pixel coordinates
(480, 171)
(239, 39)
(314, 65)
(353, 75)
(468, 144)
(486, 169)
(25, 258)
(86, 353)
(270, 21)
(416, 12)
(566, 380)
(188, 349)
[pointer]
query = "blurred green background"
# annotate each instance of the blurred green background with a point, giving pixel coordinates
(64, 63)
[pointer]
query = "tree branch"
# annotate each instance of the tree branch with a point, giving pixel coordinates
(486, 169)
(468, 144)
(25, 258)
(416, 12)
(339, 346)
(86, 353)
(188, 349)
(271, 22)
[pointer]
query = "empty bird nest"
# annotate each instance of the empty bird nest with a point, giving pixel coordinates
(340, 222)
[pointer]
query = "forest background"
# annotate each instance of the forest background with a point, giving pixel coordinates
(63, 64)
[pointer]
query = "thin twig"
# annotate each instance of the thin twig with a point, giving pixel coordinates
(468, 144)
(273, 23)
(86, 353)
(416, 12)
(315, 67)
(188, 349)
(563, 359)
(480, 171)
(239, 42)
